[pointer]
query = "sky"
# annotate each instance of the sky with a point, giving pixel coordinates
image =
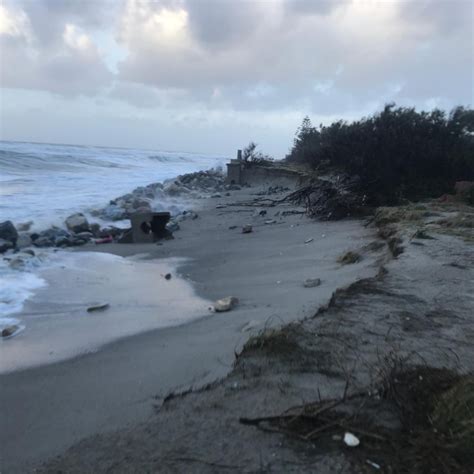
(211, 75)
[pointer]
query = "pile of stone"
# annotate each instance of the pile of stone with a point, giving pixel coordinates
(147, 198)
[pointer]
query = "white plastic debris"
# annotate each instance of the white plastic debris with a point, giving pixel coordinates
(351, 440)
(372, 463)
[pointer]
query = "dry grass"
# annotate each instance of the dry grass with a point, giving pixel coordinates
(433, 432)
(349, 258)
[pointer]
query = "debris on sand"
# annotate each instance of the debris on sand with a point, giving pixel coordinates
(168, 276)
(225, 304)
(351, 440)
(312, 282)
(98, 307)
(247, 229)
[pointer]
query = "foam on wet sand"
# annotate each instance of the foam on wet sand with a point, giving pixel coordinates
(58, 325)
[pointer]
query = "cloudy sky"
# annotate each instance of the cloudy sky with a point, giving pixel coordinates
(211, 75)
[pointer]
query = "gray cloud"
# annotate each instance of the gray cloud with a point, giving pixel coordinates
(325, 57)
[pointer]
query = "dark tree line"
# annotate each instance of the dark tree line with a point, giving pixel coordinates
(397, 153)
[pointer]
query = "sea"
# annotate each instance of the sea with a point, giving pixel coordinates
(44, 183)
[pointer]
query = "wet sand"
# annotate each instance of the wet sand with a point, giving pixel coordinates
(45, 410)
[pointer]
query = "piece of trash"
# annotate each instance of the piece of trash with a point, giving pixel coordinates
(225, 304)
(273, 221)
(221, 206)
(373, 464)
(351, 440)
(232, 227)
(98, 307)
(308, 240)
(246, 229)
(168, 276)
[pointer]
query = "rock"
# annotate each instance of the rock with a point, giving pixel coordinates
(17, 263)
(24, 240)
(84, 235)
(24, 226)
(247, 229)
(217, 195)
(172, 226)
(5, 245)
(63, 241)
(114, 213)
(95, 229)
(351, 440)
(10, 330)
(225, 304)
(98, 307)
(8, 232)
(168, 276)
(312, 282)
(77, 223)
(29, 252)
(43, 242)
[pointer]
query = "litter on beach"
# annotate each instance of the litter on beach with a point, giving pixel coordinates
(98, 307)
(351, 440)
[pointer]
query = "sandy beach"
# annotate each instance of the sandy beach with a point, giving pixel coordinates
(48, 408)
(415, 314)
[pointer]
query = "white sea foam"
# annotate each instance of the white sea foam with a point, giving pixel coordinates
(58, 325)
(45, 183)
(15, 288)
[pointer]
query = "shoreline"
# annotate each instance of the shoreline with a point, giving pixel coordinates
(115, 386)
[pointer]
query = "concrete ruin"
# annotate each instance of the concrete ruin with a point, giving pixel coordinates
(147, 227)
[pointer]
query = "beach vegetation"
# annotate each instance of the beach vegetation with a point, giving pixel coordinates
(398, 153)
(252, 156)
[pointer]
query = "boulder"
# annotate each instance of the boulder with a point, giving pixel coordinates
(114, 213)
(10, 330)
(84, 235)
(8, 232)
(77, 223)
(24, 226)
(43, 242)
(5, 245)
(225, 304)
(24, 240)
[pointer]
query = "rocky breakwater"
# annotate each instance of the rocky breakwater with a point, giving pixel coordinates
(170, 196)
(161, 196)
